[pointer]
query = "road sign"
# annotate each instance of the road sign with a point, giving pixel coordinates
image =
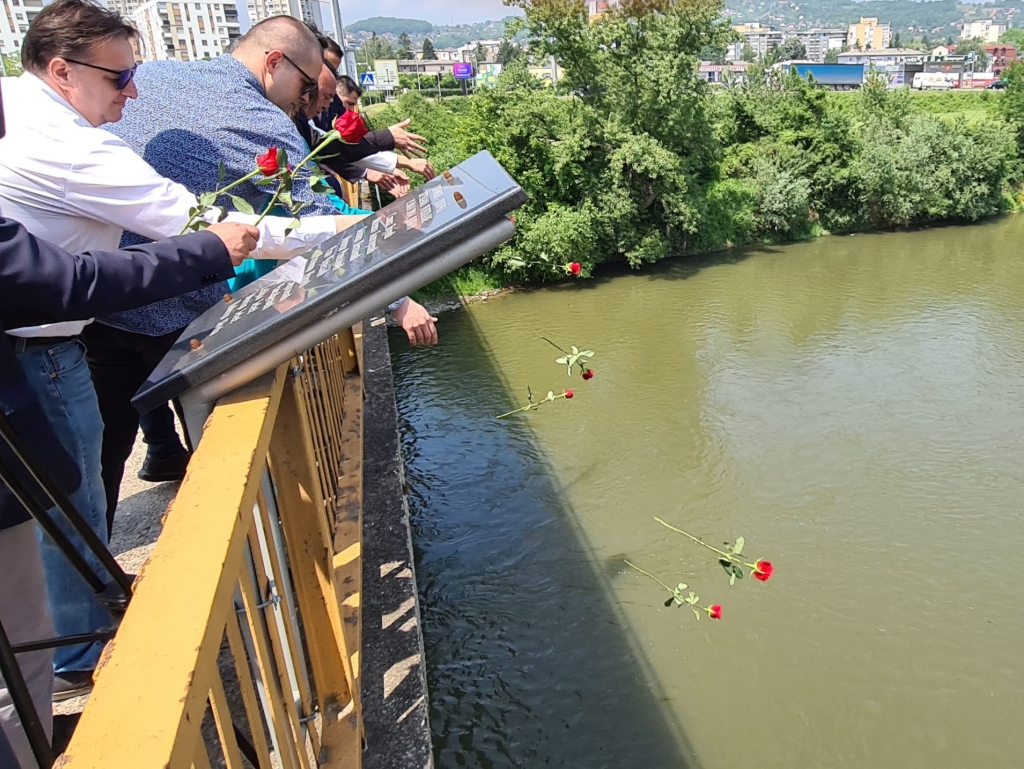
(463, 70)
(368, 80)
(386, 71)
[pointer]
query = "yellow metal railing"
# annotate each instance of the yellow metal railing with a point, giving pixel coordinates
(246, 617)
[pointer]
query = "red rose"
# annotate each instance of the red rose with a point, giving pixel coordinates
(588, 374)
(351, 126)
(763, 570)
(715, 610)
(575, 268)
(267, 162)
(568, 394)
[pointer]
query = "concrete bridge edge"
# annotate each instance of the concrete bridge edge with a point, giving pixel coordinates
(392, 669)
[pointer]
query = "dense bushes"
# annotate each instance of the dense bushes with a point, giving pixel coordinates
(635, 157)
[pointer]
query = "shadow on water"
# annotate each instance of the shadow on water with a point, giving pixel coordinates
(529, 661)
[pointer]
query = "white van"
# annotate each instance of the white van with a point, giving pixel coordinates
(937, 81)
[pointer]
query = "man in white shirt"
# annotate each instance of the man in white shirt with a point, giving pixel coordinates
(78, 186)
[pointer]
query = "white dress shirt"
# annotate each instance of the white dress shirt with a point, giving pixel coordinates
(80, 187)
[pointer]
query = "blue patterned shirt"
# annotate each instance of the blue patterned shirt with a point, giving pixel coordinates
(189, 116)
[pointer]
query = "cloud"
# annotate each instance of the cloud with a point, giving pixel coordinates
(434, 11)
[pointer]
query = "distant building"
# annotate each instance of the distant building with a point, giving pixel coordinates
(717, 73)
(597, 7)
(819, 42)
(424, 67)
(880, 57)
(14, 21)
(173, 29)
(869, 35)
(467, 52)
(759, 37)
(1000, 57)
(986, 30)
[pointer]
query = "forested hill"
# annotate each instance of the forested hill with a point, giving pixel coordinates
(912, 18)
(442, 36)
(932, 17)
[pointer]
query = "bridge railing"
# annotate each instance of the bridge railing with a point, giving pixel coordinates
(241, 643)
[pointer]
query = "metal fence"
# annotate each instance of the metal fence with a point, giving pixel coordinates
(241, 644)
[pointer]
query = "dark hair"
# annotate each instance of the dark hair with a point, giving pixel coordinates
(70, 28)
(351, 86)
(327, 45)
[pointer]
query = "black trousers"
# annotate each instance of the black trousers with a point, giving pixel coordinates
(120, 363)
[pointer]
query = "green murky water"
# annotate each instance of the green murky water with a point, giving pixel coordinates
(852, 406)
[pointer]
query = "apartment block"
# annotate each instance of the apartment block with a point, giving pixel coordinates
(759, 37)
(186, 31)
(14, 21)
(819, 42)
(986, 30)
(869, 35)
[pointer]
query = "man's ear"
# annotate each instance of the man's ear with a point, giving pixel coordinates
(58, 71)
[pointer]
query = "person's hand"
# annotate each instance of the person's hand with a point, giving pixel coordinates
(240, 239)
(421, 166)
(385, 181)
(402, 184)
(343, 222)
(417, 323)
(408, 142)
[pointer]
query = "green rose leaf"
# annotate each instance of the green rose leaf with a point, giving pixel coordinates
(738, 547)
(241, 204)
(206, 199)
(221, 172)
(293, 225)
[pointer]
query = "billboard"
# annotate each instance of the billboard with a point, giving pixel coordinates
(463, 70)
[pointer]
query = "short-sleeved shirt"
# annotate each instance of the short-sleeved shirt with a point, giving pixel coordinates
(189, 117)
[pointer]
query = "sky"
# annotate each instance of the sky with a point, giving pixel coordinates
(434, 11)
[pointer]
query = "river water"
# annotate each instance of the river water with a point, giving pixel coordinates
(851, 406)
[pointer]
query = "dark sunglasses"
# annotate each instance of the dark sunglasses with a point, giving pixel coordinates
(124, 76)
(311, 83)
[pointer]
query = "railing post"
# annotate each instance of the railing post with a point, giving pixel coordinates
(310, 551)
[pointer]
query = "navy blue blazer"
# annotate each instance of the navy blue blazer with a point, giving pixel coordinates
(41, 283)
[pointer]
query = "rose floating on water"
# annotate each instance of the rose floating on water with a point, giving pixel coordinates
(531, 406)
(763, 570)
(730, 559)
(678, 598)
(573, 357)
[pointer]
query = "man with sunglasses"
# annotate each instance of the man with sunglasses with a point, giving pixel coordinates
(67, 180)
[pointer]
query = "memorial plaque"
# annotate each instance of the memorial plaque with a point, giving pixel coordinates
(411, 231)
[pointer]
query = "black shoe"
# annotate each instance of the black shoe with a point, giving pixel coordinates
(72, 683)
(164, 469)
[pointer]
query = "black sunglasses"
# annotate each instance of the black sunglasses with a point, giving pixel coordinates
(124, 76)
(312, 84)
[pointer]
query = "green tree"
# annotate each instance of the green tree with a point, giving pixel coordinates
(896, 40)
(1014, 37)
(375, 48)
(949, 40)
(480, 53)
(388, 25)
(832, 56)
(404, 47)
(747, 53)
(12, 64)
(792, 50)
(508, 52)
(428, 49)
(976, 46)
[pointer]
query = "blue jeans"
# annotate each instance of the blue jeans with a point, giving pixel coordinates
(59, 377)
